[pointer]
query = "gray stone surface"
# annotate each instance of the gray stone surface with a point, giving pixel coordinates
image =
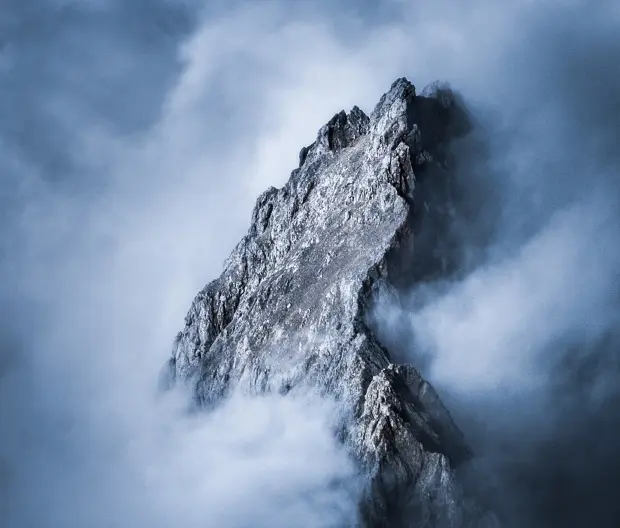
(288, 312)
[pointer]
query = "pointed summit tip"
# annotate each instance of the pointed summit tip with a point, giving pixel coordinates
(393, 115)
(402, 92)
(402, 86)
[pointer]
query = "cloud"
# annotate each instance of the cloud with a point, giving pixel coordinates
(133, 142)
(522, 340)
(261, 462)
(102, 276)
(494, 328)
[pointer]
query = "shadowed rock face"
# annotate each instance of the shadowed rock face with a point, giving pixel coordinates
(288, 312)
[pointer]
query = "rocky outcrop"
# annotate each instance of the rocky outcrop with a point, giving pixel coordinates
(288, 312)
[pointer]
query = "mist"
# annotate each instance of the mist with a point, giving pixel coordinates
(134, 140)
(521, 337)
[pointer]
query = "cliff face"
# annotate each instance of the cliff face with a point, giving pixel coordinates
(288, 312)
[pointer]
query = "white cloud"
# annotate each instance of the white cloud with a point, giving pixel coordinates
(510, 322)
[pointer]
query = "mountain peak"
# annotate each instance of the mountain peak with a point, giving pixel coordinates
(288, 313)
(402, 89)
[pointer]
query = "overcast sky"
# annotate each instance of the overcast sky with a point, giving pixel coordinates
(134, 138)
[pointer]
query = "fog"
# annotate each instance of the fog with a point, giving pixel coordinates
(521, 337)
(134, 138)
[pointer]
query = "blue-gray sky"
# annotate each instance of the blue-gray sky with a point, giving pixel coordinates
(134, 137)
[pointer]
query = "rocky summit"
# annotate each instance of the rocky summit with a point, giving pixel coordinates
(289, 312)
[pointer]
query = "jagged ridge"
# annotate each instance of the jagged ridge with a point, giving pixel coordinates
(287, 313)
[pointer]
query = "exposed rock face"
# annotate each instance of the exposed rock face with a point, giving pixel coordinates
(288, 312)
